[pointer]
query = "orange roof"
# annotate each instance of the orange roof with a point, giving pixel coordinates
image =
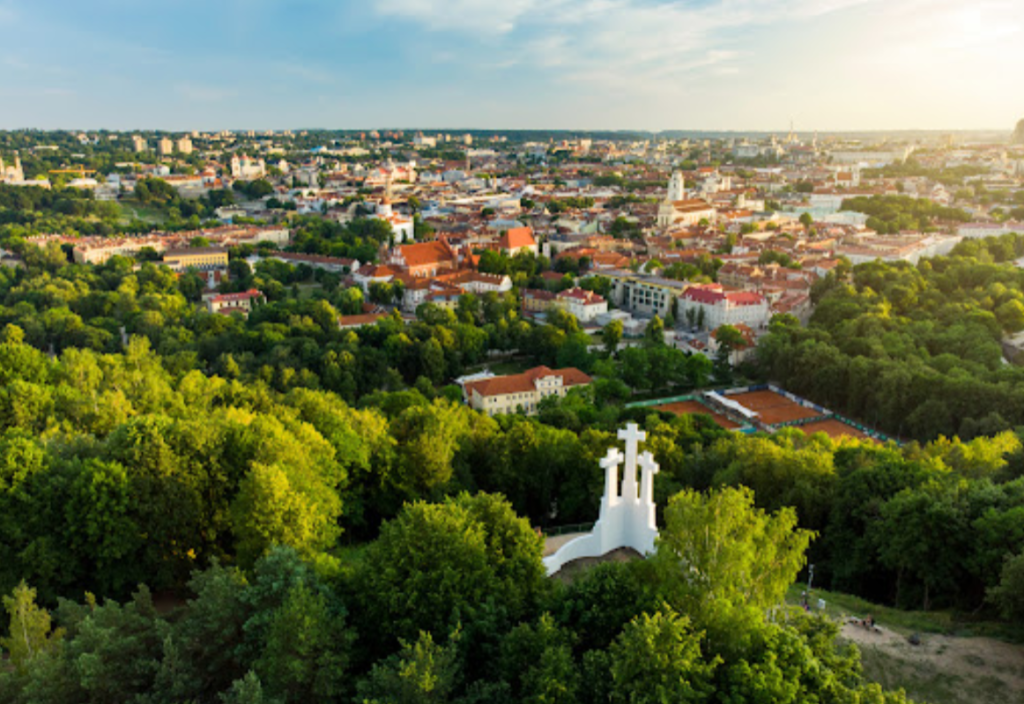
(424, 253)
(355, 321)
(517, 237)
(525, 382)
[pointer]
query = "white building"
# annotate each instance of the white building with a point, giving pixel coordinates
(584, 305)
(721, 307)
(520, 393)
(247, 169)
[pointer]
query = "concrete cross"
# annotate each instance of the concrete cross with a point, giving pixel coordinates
(650, 468)
(610, 463)
(632, 435)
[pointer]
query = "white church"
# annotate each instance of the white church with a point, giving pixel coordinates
(678, 210)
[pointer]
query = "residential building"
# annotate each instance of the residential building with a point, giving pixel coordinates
(643, 295)
(721, 307)
(521, 393)
(584, 305)
(518, 239)
(165, 147)
(227, 303)
(740, 353)
(185, 145)
(370, 274)
(138, 144)
(201, 258)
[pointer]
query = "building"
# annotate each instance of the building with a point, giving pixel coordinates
(201, 258)
(643, 295)
(424, 258)
(370, 274)
(739, 354)
(684, 213)
(340, 265)
(713, 307)
(584, 305)
(185, 145)
(247, 169)
(537, 300)
(12, 173)
(165, 147)
(138, 144)
(227, 303)
(404, 228)
(521, 393)
(518, 239)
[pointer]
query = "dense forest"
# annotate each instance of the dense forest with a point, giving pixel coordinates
(913, 350)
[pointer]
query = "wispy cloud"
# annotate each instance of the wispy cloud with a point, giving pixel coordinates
(631, 44)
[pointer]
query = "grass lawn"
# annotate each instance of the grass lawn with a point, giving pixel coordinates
(306, 290)
(146, 213)
(841, 606)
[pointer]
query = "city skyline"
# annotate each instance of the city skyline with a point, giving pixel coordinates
(749, 65)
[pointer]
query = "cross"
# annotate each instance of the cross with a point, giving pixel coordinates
(610, 463)
(632, 435)
(650, 468)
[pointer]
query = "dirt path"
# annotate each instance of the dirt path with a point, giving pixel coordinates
(942, 668)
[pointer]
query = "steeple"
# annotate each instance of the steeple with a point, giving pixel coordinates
(676, 188)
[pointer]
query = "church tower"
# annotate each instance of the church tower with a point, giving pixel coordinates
(676, 187)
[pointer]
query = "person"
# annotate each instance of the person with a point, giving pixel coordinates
(869, 622)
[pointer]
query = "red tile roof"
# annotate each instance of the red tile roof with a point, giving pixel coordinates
(525, 382)
(517, 237)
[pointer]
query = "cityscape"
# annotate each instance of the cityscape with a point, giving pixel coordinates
(673, 374)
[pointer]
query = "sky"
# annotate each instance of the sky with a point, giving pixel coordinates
(827, 65)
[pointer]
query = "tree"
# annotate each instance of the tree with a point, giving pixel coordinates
(423, 672)
(306, 656)
(806, 219)
(1008, 596)
(612, 334)
(717, 549)
(657, 659)
(654, 333)
(438, 564)
(29, 628)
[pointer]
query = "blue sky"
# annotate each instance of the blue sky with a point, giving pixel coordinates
(574, 64)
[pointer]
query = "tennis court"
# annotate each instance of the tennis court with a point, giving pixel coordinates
(773, 408)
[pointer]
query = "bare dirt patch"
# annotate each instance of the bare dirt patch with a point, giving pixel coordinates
(942, 669)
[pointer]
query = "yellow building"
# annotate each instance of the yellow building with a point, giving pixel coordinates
(521, 393)
(201, 258)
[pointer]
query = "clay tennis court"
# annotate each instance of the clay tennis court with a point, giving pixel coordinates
(773, 408)
(683, 408)
(835, 429)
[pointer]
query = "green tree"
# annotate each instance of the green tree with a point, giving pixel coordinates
(717, 550)
(657, 659)
(612, 334)
(29, 628)
(654, 333)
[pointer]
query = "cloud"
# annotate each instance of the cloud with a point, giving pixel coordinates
(484, 16)
(630, 44)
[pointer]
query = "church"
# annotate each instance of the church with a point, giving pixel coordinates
(678, 210)
(11, 174)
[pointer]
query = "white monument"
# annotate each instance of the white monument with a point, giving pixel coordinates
(627, 519)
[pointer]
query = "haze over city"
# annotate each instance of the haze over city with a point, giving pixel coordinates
(593, 64)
